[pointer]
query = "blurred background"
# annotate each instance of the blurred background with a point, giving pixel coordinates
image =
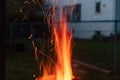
(96, 37)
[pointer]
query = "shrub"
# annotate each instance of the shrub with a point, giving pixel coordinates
(97, 36)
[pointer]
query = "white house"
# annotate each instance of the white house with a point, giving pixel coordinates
(89, 16)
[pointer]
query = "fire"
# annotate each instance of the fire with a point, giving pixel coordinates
(63, 49)
(62, 69)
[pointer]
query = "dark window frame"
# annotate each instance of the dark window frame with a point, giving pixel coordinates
(98, 7)
(73, 12)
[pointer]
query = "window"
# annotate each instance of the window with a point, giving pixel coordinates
(67, 12)
(98, 7)
(72, 12)
(76, 13)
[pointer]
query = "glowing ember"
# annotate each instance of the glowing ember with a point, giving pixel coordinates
(62, 69)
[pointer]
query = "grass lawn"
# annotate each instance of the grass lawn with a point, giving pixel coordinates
(22, 65)
(97, 53)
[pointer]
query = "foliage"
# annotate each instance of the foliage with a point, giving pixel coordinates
(118, 36)
(97, 37)
(12, 9)
(22, 9)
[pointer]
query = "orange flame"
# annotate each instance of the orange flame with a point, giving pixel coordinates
(63, 38)
(62, 69)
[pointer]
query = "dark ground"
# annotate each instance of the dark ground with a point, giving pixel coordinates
(21, 65)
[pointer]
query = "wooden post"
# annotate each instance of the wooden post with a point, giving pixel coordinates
(115, 46)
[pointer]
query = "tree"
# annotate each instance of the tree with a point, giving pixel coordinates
(25, 10)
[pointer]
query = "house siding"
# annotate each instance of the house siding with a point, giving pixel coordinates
(118, 14)
(88, 9)
(85, 28)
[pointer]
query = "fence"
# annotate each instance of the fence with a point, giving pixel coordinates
(98, 43)
(105, 30)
